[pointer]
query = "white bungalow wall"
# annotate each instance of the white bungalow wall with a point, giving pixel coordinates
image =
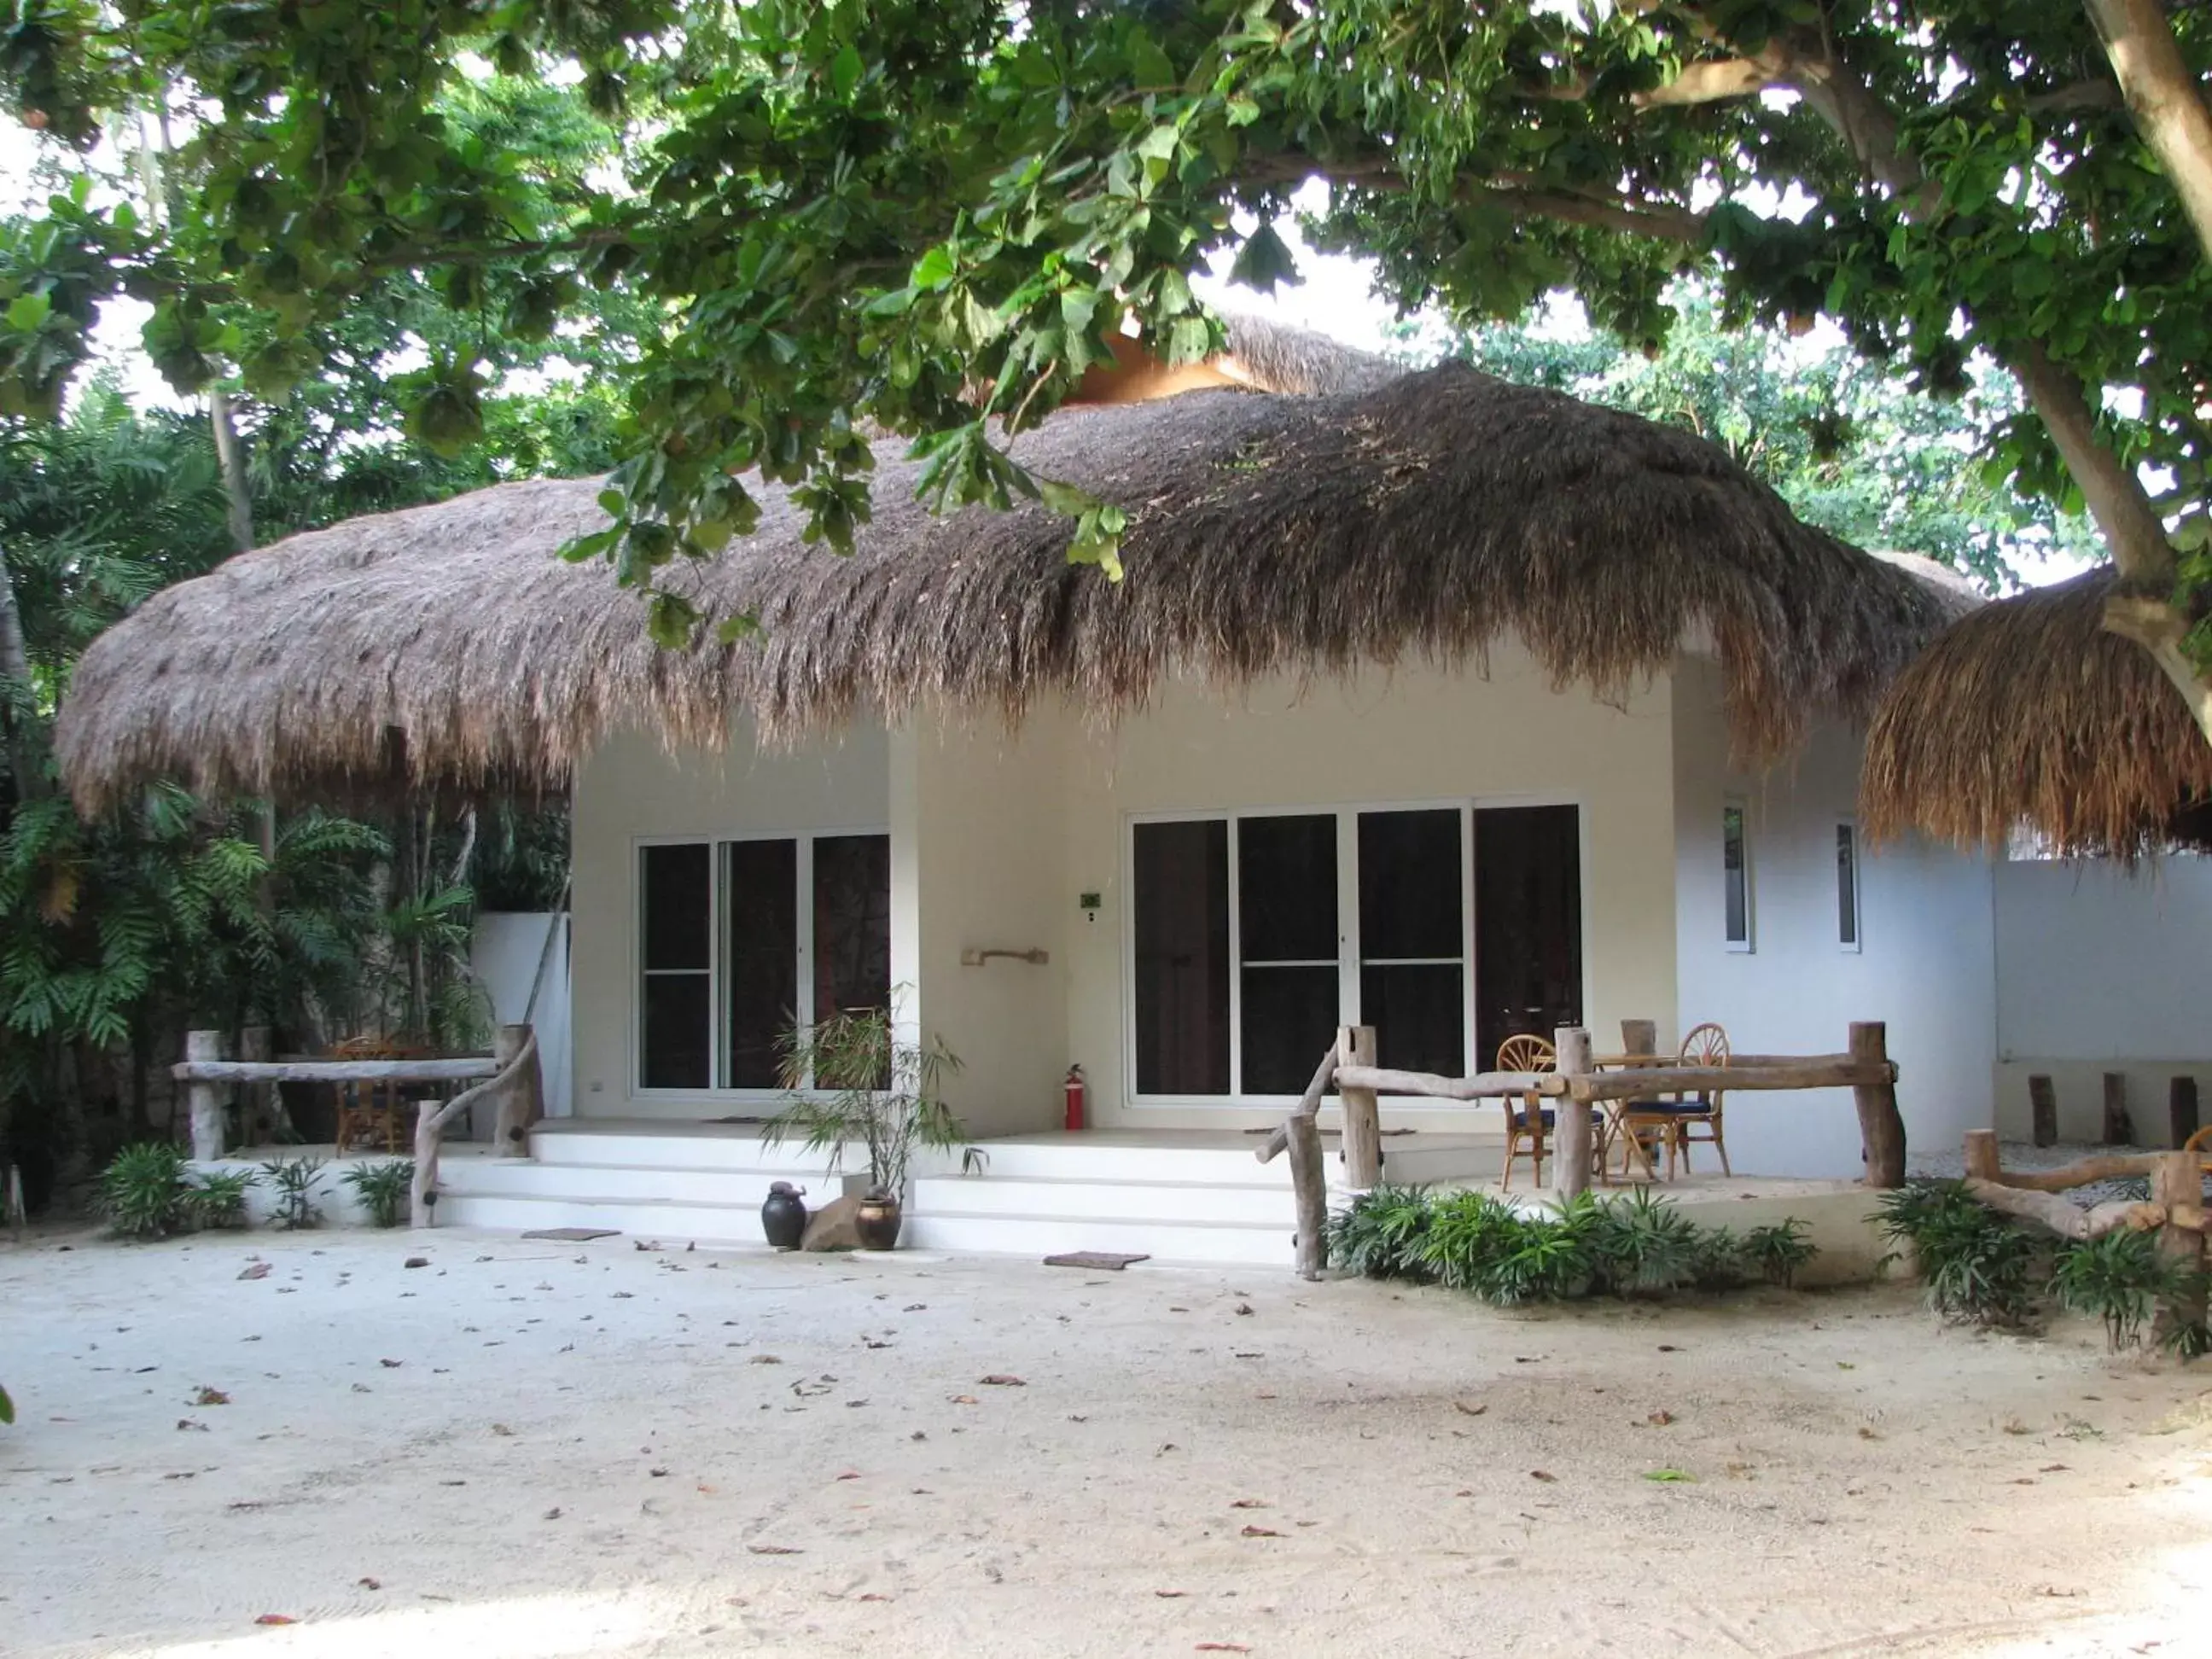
(632, 788)
(2101, 969)
(1409, 737)
(1925, 965)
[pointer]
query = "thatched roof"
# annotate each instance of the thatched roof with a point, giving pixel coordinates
(1384, 518)
(2028, 714)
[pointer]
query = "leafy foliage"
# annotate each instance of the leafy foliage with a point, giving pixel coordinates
(929, 220)
(1584, 1246)
(1975, 1264)
(298, 1183)
(218, 1198)
(146, 1192)
(2119, 1277)
(853, 1080)
(383, 1188)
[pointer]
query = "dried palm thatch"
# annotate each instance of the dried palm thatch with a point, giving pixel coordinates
(1388, 519)
(2027, 714)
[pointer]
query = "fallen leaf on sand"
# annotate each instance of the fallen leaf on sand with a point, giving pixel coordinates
(416, 1261)
(553, 1514)
(1866, 1433)
(391, 1364)
(1170, 1595)
(2052, 1469)
(501, 1429)
(1668, 1347)
(1464, 1491)
(963, 1398)
(370, 1584)
(276, 1619)
(1660, 1420)
(850, 1474)
(773, 1549)
(1542, 1475)
(1470, 1408)
(872, 1596)
(1243, 1307)
(1668, 1476)
(1249, 1504)
(763, 1359)
(1000, 1380)
(208, 1396)
(257, 1270)
(1223, 1647)
(1261, 1532)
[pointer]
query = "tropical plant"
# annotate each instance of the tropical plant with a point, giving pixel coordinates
(2118, 1277)
(854, 1080)
(146, 1193)
(1777, 1254)
(383, 1189)
(297, 1181)
(6, 1408)
(1974, 1263)
(1378, 1235)
(216, 1198)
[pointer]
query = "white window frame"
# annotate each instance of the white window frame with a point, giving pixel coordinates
(1748, 945)
(1856, 944)
(1349, 961)
(719, 1088)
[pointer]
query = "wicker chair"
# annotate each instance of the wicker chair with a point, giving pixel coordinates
(1670, 1120)
(372, 1114)
(1527, 1121)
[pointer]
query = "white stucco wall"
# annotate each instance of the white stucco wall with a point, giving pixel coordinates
(978, 863)
(632, 787)
(503, 954)
(2101, 970)
(1925, 966)
(1415, 735)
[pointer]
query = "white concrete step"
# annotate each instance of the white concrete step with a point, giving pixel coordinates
(640, 1144)
(1221, 1243)
(524, 1178)
(1269, 1205)
(703, 1224)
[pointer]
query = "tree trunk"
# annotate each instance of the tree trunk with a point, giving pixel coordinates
(23, 757)
(2164, 98)
(230, 455)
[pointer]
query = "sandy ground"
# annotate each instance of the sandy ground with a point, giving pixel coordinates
(529, 1448)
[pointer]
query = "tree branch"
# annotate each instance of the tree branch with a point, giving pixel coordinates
(2153, 624)
(2164, 99)
(2133, 533)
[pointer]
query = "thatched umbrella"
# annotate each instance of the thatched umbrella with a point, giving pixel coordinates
(1384, 518)
(2029, 714)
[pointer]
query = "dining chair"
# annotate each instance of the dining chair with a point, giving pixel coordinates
(1526, 1121)
(1668, 1120)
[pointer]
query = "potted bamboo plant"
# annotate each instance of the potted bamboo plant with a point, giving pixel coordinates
(855, 1082)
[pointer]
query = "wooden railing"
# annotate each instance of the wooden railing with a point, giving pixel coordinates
(2175, 1208)
(511, 1071)
(1575, 1087)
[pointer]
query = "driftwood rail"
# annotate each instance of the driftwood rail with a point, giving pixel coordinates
(511, 1071)
(2176, 1207)
(1574, 1088)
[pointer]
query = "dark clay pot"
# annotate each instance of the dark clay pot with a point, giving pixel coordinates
(877, 1222)
(783, 1215)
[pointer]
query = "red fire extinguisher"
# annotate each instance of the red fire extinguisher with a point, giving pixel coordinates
(1077, 1091)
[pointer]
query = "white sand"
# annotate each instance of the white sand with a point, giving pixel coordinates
(580, 1448)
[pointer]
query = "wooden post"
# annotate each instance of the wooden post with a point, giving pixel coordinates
(1639, 1036)
(2178, 1184)
(1363, 1116)
(2118, 1132)
(16, 1213)
(2181, 1109)
(206, 1097)
(1881, 1128)
(2043, 1108)
(423, 1190)
(261, 1107)
(523, 1103)
(1309, 1189)
(1983, 1159)
(1571, 1154)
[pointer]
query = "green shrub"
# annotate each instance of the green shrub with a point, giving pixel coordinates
(1778, 1253)
(217, 1198)
(6, 1408)
(1477, 1242)
(144, 1193)
(1378, 1234)
(1976, 1265)
(2118, 1277)
(296, 1181)
(384, 1189)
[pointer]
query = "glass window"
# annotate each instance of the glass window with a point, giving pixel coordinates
(761, 899)
(1527, 923)
(676, 911)
(1412, 979)
(752, 974)
(1289, 945)
(1735, 877)
(1847, 885)
(1182, 944)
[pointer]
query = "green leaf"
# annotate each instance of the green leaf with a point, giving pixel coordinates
(845, 72)
(1264, 261)
(1668, 1476)
(27, 311)
(933, 269)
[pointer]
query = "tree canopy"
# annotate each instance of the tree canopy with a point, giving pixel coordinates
(928, 216)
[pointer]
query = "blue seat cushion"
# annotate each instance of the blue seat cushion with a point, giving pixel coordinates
(1669, 1108)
